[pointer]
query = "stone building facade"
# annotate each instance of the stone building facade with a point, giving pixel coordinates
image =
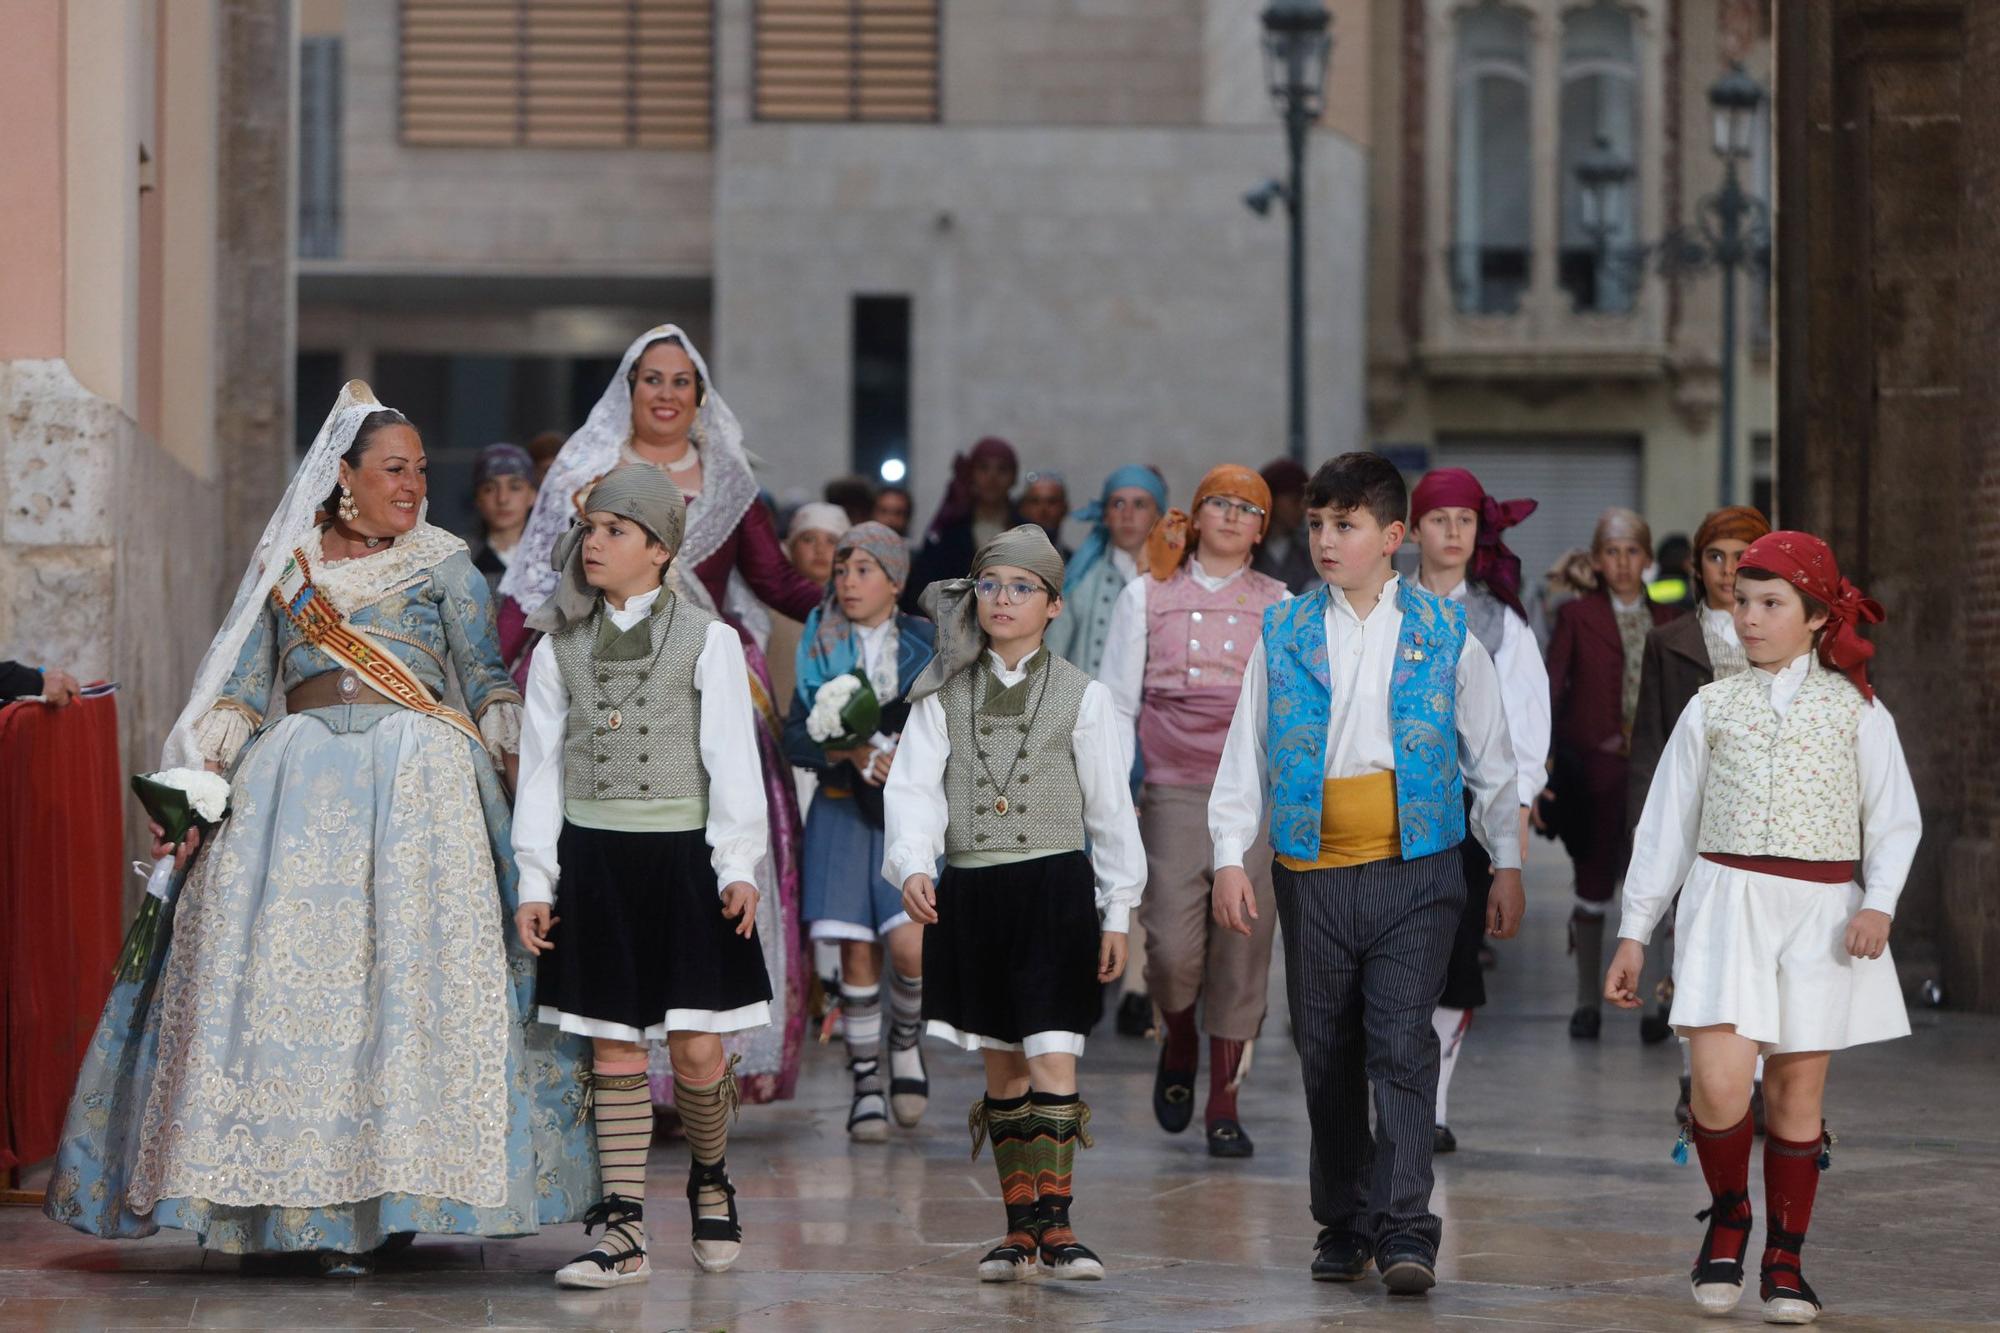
(1889, 388)
(1037, 213)
(145, 309)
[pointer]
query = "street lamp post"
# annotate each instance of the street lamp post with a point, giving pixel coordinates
(1732, 229)
(1296, 46)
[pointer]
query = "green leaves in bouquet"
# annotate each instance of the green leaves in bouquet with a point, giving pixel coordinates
(168, 806)
(861, 716)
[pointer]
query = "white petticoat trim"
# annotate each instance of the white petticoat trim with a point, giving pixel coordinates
(677, 1020)
(222, 733)
(500, 728)
(1034, 1044)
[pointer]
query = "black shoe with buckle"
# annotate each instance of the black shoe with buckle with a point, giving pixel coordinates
(1173, 1096)
(1340, 1256)
(1226, 1138)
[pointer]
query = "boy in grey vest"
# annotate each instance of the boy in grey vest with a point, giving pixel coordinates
(638, 826)
(1010, 761)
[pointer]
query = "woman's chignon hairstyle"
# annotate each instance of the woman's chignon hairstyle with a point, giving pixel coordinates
(670, 340)
(375, 422)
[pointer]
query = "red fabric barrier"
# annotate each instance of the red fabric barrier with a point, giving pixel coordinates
(61, 918)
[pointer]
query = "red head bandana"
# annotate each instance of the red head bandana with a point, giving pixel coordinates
(1494, 566)
(1807, 563)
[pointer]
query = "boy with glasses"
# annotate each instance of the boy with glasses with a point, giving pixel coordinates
(1173, 663)
(1010, 764)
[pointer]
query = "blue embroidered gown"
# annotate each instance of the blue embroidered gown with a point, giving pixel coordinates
(333, 1041)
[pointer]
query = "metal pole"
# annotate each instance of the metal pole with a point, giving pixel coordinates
(1295, 132)
(1728, 254)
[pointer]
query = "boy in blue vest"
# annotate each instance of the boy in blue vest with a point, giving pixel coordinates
(1363, 704)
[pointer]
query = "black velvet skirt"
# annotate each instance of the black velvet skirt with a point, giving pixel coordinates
(640, 935)
(1014, 950)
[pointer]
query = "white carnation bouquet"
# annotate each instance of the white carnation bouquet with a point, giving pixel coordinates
(845, 712)
(178, 800)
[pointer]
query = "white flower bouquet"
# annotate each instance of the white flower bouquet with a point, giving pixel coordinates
(178, 800)
(845, 712)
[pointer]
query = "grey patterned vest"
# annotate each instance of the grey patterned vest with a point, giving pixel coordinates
(654, 753)
(1034, 720)
(1486, 617)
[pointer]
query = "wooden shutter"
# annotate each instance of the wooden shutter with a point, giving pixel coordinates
(558, 73)
(847, 60)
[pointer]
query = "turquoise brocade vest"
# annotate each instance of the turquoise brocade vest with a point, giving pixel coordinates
(1423, 693)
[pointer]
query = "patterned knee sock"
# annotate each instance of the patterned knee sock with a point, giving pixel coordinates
(1227, 1064)
(906, 1025)
(1725, 1165)
(861, 1019)
(622, 1108)
(1006, 1121)
(1059, 1123)
(1451, 1026)
(705, 1105)
(1183, 1040)
(1791, 1180)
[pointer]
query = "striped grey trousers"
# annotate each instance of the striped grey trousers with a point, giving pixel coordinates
(1365, 954)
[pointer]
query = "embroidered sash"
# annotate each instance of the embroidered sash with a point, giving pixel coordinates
(325, 628)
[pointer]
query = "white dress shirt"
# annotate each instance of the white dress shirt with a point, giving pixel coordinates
(915, 808)
(1361, 657)
(738, 824)
(1122, 671)
(1524, 697)
(1668, 838)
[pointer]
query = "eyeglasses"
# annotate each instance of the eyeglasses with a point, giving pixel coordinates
(988, 589)
(1222, 504)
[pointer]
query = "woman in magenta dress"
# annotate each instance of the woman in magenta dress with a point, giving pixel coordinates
(661, 408)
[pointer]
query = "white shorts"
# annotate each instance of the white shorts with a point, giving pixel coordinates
(1766, 954)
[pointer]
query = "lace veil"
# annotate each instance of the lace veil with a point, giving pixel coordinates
(290, 526)
(728, 487)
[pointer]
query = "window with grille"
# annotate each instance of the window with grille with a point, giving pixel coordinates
(558, 73)
(847, 60)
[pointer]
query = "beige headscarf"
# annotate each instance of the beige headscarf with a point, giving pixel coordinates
(638, 491)
(954, 608)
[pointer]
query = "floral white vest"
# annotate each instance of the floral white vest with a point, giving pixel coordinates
(1782, 786)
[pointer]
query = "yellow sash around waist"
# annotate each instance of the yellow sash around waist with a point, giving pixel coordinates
(1357, 823)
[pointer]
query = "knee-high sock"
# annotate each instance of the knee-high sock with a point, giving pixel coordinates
(1060, 1122)
(705, 1103)
(1725, 1165)
(861, 1020)
(1006, 1120)
(906, 1025)
(1451, 1025)
(622, 1107)
(1791, 1180)
(1183, 1040)
(1228, 1064)
(1587, 934)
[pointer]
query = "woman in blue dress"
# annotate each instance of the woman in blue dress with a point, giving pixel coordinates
(330, 1045)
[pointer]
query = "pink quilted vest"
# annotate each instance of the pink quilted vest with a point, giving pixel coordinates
(1197, 644)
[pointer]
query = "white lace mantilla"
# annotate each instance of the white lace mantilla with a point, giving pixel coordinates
(361, 580)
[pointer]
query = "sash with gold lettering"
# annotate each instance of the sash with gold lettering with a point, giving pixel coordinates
(326, 629)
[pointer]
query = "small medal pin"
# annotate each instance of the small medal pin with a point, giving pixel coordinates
(615, 721)
(1000, 806)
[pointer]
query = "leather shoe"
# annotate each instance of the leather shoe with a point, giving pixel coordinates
(1173, 1096)
(1408, 1272)
(1339, 1256)
(1585, 1023)
(1227, 1139)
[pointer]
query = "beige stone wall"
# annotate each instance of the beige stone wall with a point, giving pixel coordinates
(1073, 62)
(1095, 295)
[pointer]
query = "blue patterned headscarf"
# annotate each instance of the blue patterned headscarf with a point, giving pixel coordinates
(1099, 541)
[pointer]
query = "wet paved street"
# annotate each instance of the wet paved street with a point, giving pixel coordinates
(1562, 1209)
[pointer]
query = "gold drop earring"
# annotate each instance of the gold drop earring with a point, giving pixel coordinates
(349, 511)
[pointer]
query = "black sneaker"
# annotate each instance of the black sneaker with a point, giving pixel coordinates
(1443, 1140)
(1585, 1023)
(1340, 1256)
(1135, 1016)
(1408, 1272)
(1173, 1096)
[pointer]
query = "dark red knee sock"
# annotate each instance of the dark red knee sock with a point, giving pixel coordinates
(1791, 1179)
(1183, 1041)
(1223, 1057)
(1725, 1165)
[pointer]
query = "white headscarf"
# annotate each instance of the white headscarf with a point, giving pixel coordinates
(728, 487)
(291, 525)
